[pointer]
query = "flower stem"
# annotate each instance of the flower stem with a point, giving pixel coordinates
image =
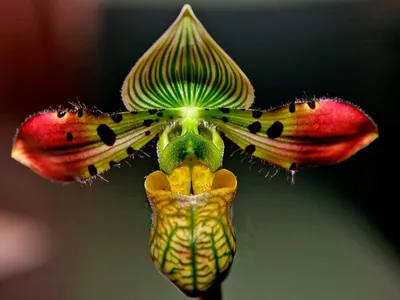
(214, 293)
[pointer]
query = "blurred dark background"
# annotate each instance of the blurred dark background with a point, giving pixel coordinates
(332, 235)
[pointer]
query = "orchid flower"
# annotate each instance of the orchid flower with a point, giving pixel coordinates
(187, 92)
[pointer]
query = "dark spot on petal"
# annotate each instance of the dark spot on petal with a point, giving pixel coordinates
(225, 110)
(292, 107)
(206, 109)
(250, 149)
(293, 167)
(224, 119)
(116, 118)
(255, 127)
(311, 104)
(106, 134)
(147, 132)
(134, 112)
(257, 114)
(160, 114)
(171, 117)
(92, 170)
(275, 130)
(152, 111)
(69, 136)
(156, 120)
(61, 113)
(148, 122)
(113, 164)
(80, 113)
(243, 109)
(130, 150)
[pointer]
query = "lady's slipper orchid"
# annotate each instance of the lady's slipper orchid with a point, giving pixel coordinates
(187, 92)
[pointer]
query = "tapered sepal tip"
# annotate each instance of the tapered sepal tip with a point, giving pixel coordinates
(28, 142)
(18, 152)
(186, 10)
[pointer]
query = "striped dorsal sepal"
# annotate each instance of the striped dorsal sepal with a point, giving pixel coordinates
(186, 68)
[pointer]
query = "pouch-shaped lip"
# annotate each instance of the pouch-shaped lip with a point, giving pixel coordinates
(186, 226)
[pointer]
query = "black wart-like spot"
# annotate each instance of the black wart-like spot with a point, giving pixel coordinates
(152, 111)
(148, 132)
(225, 110)
(250, 149)
(61, 113)
(275, 130)
(134, 112)
(311, 104)
(148, 122)
(69, 137)
(257, 114)
(160, 114)
(130, 150)
(112, 164)
(292, 108)
(116, 118)
(106, 134)
(79, 112)
(255, 127)
(293, 167)
(224, 119)
(92, 170)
